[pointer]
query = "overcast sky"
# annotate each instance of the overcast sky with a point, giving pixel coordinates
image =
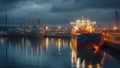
(59, 12)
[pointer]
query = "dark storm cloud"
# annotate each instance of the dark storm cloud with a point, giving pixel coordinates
(59, 11)
(8, 1)
(103, 4)
(6, 5)
(79, 5)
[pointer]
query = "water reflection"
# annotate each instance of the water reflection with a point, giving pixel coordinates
(38, 52)
(2, 40)
(48, 53)
(84, 57)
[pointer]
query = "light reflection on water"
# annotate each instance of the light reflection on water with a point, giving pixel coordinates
(49, 53)
(82, 57)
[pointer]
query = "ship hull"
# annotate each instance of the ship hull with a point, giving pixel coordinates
(88, 41)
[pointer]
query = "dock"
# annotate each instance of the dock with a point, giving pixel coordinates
(45, 31)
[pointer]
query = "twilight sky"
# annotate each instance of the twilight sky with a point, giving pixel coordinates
(59, 12)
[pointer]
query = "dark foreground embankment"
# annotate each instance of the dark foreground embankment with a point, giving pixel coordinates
(112, 48)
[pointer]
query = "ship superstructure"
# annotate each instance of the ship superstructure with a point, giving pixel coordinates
(83, 25)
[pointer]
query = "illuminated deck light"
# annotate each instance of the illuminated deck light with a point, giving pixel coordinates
(83, 25)
(114, 28)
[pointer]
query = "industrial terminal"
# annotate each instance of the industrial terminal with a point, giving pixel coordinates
(88, 45)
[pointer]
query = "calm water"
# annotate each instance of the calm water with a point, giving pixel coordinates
(51, 53)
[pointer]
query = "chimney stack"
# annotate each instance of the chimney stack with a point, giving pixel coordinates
(116, 19)
(6, 20)
(6, 24)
